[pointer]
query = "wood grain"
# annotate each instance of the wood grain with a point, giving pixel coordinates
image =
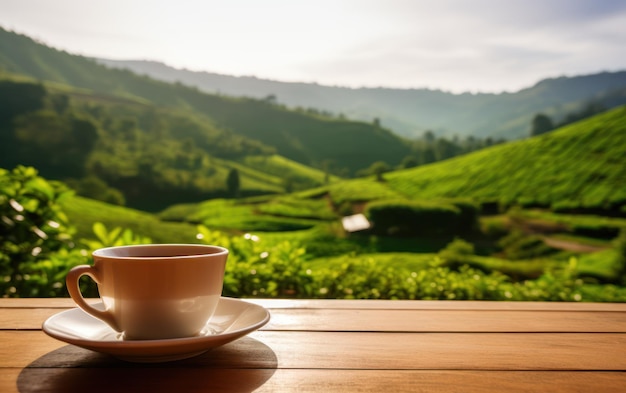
(347, 345)
(144, 379)
(398, 320)
(401, 351)
(446, 321)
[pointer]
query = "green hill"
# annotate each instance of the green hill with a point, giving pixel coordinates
(124, 151)
(314, 140)
(580, 166)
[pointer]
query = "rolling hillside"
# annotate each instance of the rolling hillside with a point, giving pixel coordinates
(297, 135)
(580, 166)
(125, 151)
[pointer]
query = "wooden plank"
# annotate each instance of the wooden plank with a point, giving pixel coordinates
(363, 304)
(396, 320)
(24, 318)
(446, 321)
(159, 379)
(467, 351)
(326, 350)
(436, 305)
(459, 346)
(60, 302)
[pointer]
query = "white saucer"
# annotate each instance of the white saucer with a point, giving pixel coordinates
(233, 319)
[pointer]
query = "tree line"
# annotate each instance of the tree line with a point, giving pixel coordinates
(543, 123)
(121, 153)
(429, 148)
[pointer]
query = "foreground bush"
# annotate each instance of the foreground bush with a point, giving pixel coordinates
(259, 269)
(32, 227)
(37, 250)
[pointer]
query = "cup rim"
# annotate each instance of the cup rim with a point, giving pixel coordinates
(192, 251)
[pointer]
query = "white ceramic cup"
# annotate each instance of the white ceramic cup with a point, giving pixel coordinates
(155, 291)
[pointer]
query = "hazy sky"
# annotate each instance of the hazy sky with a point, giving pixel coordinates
(454, 45)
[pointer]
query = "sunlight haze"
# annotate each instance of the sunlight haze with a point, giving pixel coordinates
(453, 45)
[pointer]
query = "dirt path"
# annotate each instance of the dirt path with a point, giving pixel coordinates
(544, 228)
(571, 246)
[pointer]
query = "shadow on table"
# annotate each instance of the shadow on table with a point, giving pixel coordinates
(241, 366)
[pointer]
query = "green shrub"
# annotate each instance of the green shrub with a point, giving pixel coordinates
(469, 214)
(46, 277)
(494, 227)
(457, 253)
(32, 226)
(256, 268)
(401, 217)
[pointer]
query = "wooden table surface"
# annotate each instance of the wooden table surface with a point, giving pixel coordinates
(344, 346)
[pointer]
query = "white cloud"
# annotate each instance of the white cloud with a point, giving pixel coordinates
(456, 45)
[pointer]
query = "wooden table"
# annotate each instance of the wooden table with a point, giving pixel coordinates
(344, 346)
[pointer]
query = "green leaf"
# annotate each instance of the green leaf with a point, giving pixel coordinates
(30, 205)
(113, 236)
(101, 232)
(40, 186)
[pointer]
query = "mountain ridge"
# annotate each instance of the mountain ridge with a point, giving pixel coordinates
(409, 112)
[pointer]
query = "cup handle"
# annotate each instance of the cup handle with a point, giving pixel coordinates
(71, 281)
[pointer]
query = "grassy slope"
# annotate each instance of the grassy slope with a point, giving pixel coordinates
(285, 168)
(581, 165)
(83, 213)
